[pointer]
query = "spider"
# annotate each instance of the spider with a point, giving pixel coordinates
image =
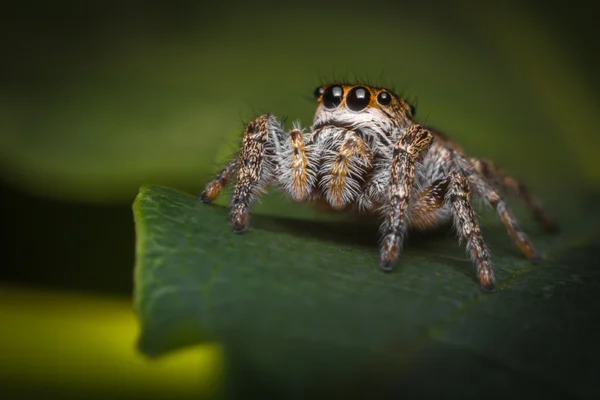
(365, 153)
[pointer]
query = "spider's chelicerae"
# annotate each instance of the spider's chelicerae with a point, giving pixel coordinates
(365, 153)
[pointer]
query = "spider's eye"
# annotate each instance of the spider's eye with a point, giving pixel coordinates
(332, 97)
(318, 92)
(358, 98)
(384, 98)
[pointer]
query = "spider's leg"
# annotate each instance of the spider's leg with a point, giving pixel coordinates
(340, 187)
(424, 212)
(517, 189)
(468, 228)
(413, 142)
(214, 187)
(256, 166)
(493, 198)
(453, 189)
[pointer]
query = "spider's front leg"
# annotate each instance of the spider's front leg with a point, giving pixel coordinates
(412, 143)
(253, 171)
(266, 157)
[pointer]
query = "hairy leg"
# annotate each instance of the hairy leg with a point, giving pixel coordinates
(453, 189)
(252, 175)
(265, 158)
(214, 187)
(339, 185)
(412, 143)
(493, 198)
(424, 212)
(468, 229)
(517, 189)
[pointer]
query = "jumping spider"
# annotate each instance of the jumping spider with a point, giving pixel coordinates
(365, 153)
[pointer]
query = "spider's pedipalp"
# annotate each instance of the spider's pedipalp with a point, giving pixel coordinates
(340, 186)
(299, 189)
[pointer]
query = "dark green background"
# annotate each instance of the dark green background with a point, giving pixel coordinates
(97, 99)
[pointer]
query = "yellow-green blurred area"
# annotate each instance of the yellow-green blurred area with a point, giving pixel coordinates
(58, 345)
(99, 98)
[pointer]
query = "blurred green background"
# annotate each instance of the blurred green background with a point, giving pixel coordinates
(97, 99)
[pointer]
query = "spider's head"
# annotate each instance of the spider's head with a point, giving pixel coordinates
(356, 106)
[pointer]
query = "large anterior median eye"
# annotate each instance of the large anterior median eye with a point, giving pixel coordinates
(358, 98)
(333, 96)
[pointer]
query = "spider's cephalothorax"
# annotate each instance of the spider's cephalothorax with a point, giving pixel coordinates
(365, 153)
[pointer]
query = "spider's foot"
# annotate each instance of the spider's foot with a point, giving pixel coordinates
(534, 255)
(386, 266)
(537, 258)
(205, 199)
(529, 250)
(239, 229)
(389, 253)
(239, 218)
(550, 226)
(211, 192)
(489, 287)
(486, 277)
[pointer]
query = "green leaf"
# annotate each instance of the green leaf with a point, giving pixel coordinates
(302, 309)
